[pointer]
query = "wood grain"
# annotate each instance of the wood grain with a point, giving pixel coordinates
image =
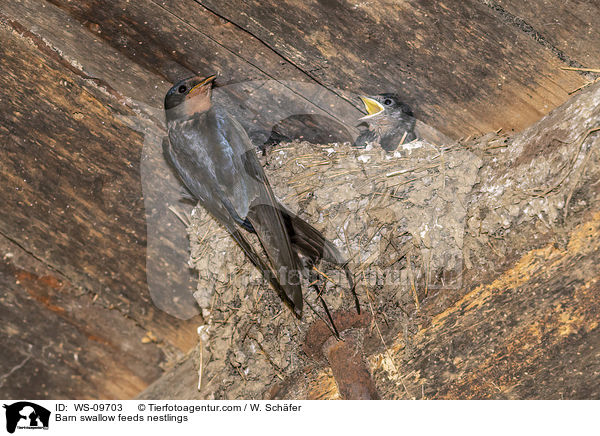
(456, 63)
(70, 173)
(571, 26)
(61, 342)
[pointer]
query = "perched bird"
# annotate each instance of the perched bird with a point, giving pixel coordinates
(389, 122)
(216, 161)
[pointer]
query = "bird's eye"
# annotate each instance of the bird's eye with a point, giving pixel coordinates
(387, 102)
(182, 89)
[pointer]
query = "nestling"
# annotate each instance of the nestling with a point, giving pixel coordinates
(389, 122)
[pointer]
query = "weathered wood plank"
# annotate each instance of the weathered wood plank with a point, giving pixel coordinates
(570, 25)
(234, 40)
(73, 44)
(456, 63)
(175, 39)
(532, 333)
(197, 34)
(60, 342)
(157, 40)
(70, 171)
(141, 48)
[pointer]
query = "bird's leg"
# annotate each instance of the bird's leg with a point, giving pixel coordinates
(352, 284)
(329, 325)
(315, 281)
(337, 334)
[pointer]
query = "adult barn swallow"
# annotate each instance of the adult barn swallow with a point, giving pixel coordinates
(389, 122)
(216, 161)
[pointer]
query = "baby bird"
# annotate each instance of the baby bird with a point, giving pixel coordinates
(389, 122)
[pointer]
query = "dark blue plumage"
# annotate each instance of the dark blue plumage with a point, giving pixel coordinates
(213, 156)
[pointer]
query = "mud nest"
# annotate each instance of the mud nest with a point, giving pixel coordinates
(414, 224)
(399, 218)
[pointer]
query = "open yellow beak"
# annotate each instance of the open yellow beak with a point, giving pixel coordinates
(201, 84)
(373, 107)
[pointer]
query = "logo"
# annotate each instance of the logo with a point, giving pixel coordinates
(26, 415)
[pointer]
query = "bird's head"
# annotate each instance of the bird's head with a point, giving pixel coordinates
(385, 105)
(189, 96)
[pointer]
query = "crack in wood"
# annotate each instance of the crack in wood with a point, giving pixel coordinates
(279, 54)
(6, 376)
(266, 73)
(37, 258)
(528, 29)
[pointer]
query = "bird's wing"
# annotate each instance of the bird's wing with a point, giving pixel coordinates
(223, 216)
(266, 218)
(207, 177)
(182, 159)
(222, 170)
(264, 214)
(312, 244)
(309, 241)
(364, 138)
(390, 142)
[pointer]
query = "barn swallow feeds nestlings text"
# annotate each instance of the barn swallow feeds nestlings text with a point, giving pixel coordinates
(389, 122)
(213, 156)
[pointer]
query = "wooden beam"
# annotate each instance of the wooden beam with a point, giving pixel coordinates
(570, 26)
(456, 63)
(59, 341)
(70, 174)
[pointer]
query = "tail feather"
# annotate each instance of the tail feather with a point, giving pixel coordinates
(311, 243)
(266, 220)
(267, 272)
